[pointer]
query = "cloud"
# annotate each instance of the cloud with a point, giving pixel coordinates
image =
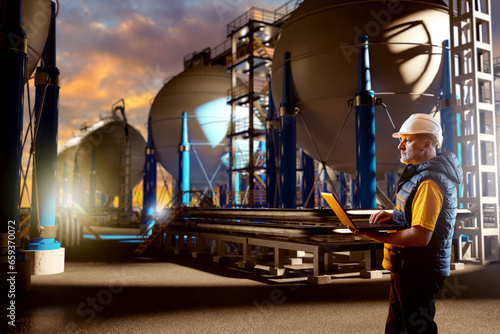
(123, 53)
(128, 48)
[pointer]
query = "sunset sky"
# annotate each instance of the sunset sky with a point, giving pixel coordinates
(127, 49)
(113, 49)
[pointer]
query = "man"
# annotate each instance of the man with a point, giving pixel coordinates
(419, 256)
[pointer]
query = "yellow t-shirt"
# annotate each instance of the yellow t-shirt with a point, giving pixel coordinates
(427, 205)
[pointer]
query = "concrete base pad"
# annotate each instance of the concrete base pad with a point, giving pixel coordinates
(277, 271)
(294, 261)
(246, 264)
(457, 266)
(46, 262)
(371, 273)
(199, 255)
(324, 279)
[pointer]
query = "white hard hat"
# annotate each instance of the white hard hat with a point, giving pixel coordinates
(421, 124)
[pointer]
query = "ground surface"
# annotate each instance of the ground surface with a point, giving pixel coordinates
(104, 289)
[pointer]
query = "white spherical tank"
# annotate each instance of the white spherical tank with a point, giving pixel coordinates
(201, 92)
(105, 138)
(405, 60)
(66, 156)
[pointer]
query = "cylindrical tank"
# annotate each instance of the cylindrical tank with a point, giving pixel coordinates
(106, 138)
(405, 56)
(201, 92)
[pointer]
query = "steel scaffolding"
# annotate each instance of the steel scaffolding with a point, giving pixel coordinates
(475, 135)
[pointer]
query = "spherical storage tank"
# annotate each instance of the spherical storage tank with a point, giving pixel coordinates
(201, 92)
(106, 139)
(405, 59)
(35, 21)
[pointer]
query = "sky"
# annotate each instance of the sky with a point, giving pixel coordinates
(129, 48)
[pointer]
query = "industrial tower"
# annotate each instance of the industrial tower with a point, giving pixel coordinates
(475, 135)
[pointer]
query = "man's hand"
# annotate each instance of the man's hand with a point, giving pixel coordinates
(381, 217)
(416, 236)
(369, 234)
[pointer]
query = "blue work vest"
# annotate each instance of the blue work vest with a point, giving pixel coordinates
(432, 260)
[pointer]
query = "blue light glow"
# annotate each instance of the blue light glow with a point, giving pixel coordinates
(213, 118)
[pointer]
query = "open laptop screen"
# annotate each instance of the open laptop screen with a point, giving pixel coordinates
(347, 221)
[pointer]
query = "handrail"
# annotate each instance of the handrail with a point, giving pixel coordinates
(256, 14)
(286, 9)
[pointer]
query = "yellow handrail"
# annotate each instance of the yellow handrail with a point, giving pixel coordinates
(262, 115)
(26, 230)
(262, 46)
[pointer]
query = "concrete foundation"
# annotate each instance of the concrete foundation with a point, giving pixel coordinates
(46, 262)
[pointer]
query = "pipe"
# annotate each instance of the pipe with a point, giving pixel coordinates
(365, 132)
(272, 148)
(316, 216)
(307, 180)
(43, 222)
(184, 148)
(446, 102)
(149, 184)
(288, 140)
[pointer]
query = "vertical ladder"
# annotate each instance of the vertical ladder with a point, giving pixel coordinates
(475, 136)
(124, 196)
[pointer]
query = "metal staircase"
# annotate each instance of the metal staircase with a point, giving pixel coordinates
(260, 48)
(173, 214)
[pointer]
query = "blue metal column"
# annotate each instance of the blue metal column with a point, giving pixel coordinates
(343, 189)
(365, 132)
(236, 185)
(149, 183)
(307, 180)
(288, 139)
(13, 48)
(184, 148)
(93, 180)
(446, 106)
(43, 223)
(272, 149)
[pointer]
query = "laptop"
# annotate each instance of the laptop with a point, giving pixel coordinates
(347, 219)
